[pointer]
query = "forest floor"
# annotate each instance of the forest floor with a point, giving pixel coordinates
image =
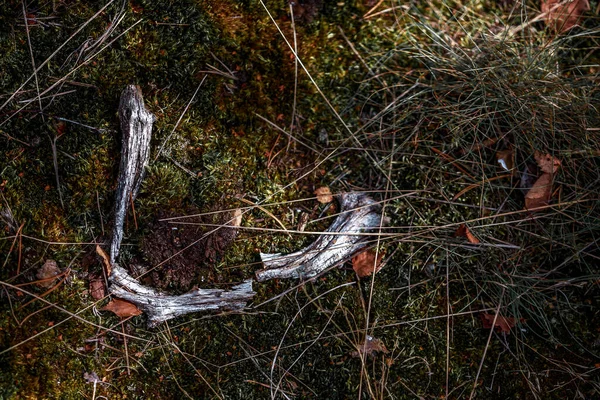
(474, 124)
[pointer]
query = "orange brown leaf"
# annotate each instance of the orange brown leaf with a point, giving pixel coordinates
(122, 308)
(105, 259)
(562, 15)
(540, 192)
(324, 195)
(364, 263)
(546, 162)
(504, 324)
(465, 232)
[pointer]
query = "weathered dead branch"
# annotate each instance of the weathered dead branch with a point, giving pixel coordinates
(136, 124)
(359, 214)
(161, 307)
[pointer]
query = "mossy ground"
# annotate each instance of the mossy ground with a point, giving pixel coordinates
(422, 80)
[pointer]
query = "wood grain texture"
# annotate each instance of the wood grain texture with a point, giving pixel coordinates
(136, 126)
(359, 213)
(161, 307)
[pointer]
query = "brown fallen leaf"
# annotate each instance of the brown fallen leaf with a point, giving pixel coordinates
(46, 274)
(105, 259)
(364, 263)
(506, 159)
(465, 232)
(324, 195)
(562, 15)
(371, 347)
(546, 162)
(122, 308)
(540, 192)
(504, 324)
(97, 288)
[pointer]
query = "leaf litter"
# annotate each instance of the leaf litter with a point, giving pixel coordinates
(365, 263)
(540, 193)
(122, 308)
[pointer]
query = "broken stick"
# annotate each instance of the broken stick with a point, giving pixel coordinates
(136, 126)
(359, 214)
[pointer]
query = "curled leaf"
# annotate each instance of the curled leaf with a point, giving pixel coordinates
(546, 162)
(364, 264)
(105, 259)
(122, 308)
(540, 192)
(506, 159)
(465, 232)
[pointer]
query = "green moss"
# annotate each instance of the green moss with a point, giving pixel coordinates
(469, 89)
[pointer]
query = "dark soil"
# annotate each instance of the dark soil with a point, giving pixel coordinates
(178, 257)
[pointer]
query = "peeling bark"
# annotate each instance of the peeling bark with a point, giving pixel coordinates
(161, 307)
(359, 214)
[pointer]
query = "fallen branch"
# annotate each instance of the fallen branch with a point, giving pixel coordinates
(359, 214)
(161, 307)
(136, 124)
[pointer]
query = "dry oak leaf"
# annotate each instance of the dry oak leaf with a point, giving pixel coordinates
(122, 308)
(546, 162)
(324, 195)
(465, 232)
(504, 324)
(562, 15)
(540, 192)
(364, 263)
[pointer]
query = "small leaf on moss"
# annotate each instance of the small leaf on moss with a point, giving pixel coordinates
(371, 347)
(47, 273)
(324, 195)
(504, 324)
(465, 232)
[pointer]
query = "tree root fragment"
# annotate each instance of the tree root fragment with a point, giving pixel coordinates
(359, 214)
(136, 125)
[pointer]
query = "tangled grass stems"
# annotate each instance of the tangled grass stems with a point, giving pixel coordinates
(463, 102)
